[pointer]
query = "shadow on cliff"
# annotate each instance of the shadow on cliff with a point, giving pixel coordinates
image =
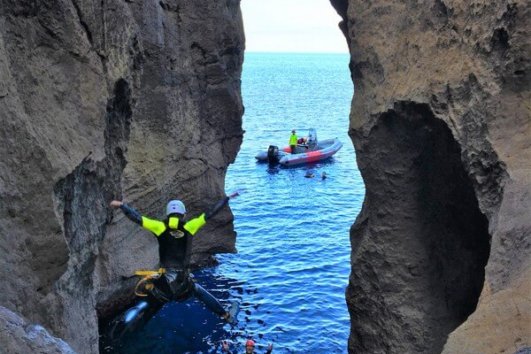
(82, 201)
(421, 243)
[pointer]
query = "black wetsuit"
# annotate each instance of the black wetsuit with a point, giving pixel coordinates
(173, 237)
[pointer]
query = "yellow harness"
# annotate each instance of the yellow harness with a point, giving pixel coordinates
(146, 281)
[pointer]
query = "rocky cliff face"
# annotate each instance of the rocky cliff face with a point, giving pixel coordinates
(442, 129)
(100, 100)
(17, 336)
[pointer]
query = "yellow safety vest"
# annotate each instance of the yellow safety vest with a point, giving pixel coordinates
(293, 139)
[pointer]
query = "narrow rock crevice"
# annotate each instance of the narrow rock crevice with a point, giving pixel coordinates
(91, 185)
(419, 271)
(83, 23)
(82, 198)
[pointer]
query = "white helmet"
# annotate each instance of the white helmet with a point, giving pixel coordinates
(175, 207)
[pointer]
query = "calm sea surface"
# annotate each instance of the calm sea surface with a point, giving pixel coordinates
(293, 260)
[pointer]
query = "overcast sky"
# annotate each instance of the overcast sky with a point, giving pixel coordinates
(292, 26)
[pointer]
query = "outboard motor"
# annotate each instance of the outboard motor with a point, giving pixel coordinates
(272, 154)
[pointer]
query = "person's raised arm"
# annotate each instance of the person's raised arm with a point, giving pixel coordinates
(216, 208)
(195, 224)
(155, 226)
(269, 348)
(131, 213)
(219, 205)
(225, 346)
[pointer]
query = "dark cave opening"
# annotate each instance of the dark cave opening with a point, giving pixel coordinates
(455, 229)
(421, 245)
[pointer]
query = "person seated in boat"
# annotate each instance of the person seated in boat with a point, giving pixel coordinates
(173, 281)
(312, 139)
(293, 141)
(302, 142)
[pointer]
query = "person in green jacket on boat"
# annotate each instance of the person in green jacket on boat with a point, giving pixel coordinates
(173, 281)
(293, 141)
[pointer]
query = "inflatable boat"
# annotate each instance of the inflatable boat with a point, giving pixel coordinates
(311, 150)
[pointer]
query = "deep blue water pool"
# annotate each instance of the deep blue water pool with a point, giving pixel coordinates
(293, 260)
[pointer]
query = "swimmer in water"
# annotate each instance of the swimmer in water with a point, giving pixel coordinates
(249, 347)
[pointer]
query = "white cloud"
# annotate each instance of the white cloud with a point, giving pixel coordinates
(292, 26)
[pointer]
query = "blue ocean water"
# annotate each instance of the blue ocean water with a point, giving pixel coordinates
(293, 260)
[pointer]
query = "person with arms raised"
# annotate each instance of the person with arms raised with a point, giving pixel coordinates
(173, 281)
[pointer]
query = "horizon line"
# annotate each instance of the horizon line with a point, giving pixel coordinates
(288, 52)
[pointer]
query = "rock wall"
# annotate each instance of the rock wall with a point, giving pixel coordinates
(99, 100)
(442, 129)
(17, 336)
